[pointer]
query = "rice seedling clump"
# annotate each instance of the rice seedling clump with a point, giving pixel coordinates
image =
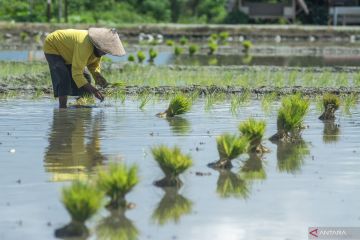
(254, 131)
(179, 104)
(82, 201)
(172, 162)
(229, 147)
(331, 103)
(117, 181)
(290, 118)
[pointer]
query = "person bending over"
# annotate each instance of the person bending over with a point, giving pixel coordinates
(69, 52)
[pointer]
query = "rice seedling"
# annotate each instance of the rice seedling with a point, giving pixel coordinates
(331, 103)
(349, 101)
(131, 58)
(331, 132)
(213, 37)
(230, 184)
(171, 207)
(253, 168)
(247, 45)
(356, 80)
(169, 43)
(141, 56)
(82, 201)
(235, 105)
(267, 102)
(116, 182)
(224, 36)
(293, 76)
(290, 156)
(183, 40)
(193, 49)
(84, 101)
(144, 99)
(229, 147)
(178, 51)
(290, 118)
(254, 131)
(152, 54)
(117, 227)
(213, 46)
(179, 104)
(172, 162)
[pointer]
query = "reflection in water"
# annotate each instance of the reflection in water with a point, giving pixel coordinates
(117, 227)
(171, 207)
(179, 125)
(290, 156)
(68, 155)
(253, 168)
(331, 133)
(230, 184)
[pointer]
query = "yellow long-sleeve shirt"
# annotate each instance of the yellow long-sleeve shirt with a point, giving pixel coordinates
(75, 48)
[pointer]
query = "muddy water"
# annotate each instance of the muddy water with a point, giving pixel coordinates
(315, 183)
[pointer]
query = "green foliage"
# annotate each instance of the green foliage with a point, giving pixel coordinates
(231, 146)
(81, 200)
(178, 51)
(178, 105)
(292, 112)
(152, 54)
(213, 46)
(106, 59)
(253, 130)
(183, 40)
(141, 56)
(169, 43)
(331, 99)
(247, 44)
(171, 161)
(131, 58)
(214, 37)
(117, 181)
(224, 36)
(193, 49)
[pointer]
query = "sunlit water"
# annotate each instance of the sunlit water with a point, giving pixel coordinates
(42, 149)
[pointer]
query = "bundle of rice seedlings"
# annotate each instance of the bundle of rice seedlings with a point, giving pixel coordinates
(229, 147)
(230, 184)
(82, 201)
(254, 131)
(178, 51)
(331, 103)
(152, 54)
(171, 208)
(116, 181)
(193, 49)
(290, 118)
(141, 56)
(172, 162)
(179, 104)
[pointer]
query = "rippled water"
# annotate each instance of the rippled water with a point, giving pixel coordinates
(316, 183)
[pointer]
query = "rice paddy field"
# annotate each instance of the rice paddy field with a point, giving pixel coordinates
(310, 179)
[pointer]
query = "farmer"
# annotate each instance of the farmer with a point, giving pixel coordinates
(69, 51)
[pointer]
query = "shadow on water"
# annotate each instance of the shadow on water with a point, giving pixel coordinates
(230, 184)
(253, 168)
(179, 125)
(331, 132)
(290, 156)
(74, 144)
(117, 227)
(171, 207)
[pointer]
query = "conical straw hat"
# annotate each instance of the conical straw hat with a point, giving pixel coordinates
(107, 40)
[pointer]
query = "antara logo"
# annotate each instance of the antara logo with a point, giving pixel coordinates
(314, 232)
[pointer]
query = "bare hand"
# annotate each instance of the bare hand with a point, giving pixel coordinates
(93, 90)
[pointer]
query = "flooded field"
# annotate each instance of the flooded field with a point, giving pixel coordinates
(313, 183)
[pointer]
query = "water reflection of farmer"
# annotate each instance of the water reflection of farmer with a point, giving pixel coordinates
(69, 51)
(73, 152)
